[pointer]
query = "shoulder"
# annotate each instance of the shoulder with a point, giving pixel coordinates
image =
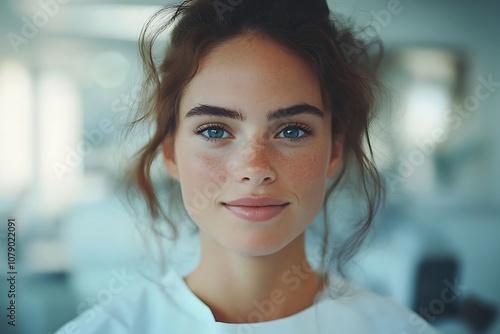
(149, 303)
(380, 313)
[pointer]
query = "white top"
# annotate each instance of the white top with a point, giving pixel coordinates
(169, 306)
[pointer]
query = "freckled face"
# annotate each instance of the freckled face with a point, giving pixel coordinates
(219, 159)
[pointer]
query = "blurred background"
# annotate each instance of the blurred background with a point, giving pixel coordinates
(69, 75)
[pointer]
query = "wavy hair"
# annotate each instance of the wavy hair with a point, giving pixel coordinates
(341, 60)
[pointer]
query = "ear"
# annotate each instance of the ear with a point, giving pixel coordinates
(169, 158)
(336, 156)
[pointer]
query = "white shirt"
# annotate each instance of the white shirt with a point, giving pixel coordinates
(169, 306)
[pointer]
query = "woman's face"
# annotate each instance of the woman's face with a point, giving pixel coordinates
(253, 124)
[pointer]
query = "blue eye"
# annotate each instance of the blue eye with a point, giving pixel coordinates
(292, 133)
(212, 132)
(295, 132)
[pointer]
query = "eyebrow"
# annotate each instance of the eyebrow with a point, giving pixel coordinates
(300, 109)
(209, 110)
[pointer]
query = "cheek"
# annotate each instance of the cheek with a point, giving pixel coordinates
(201, 176)
(201, 164)
(308, 167)
(307, 174)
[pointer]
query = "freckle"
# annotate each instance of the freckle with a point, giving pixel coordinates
(210, 163)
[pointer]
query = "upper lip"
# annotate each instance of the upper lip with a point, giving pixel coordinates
(256, 201)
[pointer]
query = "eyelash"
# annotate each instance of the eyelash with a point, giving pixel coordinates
(307, 131)
(199, 130)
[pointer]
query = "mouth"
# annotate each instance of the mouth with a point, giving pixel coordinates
(256, 209)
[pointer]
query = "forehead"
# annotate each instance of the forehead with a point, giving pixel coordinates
(252, 72)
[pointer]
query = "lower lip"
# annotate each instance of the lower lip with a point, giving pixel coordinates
(256, 213)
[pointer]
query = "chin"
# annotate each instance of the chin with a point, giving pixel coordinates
(258, 245)
(256, 251)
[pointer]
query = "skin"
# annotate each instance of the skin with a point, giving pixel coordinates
(243, 262)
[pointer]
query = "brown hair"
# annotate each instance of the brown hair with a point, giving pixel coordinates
(304, 26)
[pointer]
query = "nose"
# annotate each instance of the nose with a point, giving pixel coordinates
(252, 165)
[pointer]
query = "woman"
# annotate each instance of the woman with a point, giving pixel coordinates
(255, 108)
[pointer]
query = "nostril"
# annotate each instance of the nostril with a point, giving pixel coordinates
(257, 179)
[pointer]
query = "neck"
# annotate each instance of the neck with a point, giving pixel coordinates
(242, 289)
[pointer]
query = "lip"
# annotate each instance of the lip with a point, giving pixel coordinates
(256, 209)
(256, 201)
